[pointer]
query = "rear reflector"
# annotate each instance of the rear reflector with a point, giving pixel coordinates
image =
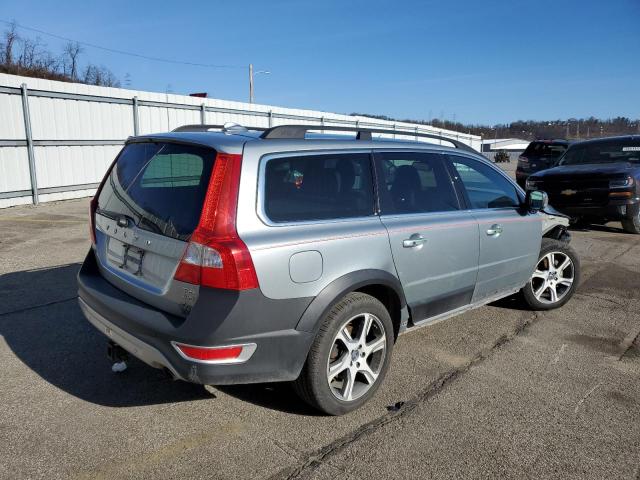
(225, 354)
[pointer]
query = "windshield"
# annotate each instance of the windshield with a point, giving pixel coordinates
(544, 149)
(606, 151)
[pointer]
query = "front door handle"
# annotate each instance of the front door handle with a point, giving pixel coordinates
(415, 240)
(495, 230)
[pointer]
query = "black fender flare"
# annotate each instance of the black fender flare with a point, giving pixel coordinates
(338, 288)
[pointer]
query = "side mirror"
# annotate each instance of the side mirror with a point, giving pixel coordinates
(537, 200)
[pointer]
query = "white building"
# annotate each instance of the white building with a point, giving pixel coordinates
(508, 144)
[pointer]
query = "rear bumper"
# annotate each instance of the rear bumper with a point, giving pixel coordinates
(219, 318)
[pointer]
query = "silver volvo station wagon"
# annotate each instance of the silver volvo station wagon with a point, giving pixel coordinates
(230, 255)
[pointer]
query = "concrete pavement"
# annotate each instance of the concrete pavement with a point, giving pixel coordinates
(497, 392)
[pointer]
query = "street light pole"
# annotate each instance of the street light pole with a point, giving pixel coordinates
(251, 74)
(251, 83)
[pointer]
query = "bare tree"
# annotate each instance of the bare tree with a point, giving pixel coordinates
(11, 37)
(31, 53)
(28, 57)
(72, 51)
(100, 75)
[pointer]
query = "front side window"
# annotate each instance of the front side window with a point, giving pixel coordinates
(318, 187)
(484, 187)
(414, 182)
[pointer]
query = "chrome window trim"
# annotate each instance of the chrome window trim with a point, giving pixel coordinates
(260, 196)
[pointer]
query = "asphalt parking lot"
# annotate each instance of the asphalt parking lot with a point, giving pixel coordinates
(497, 392)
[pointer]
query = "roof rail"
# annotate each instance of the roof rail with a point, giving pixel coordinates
(227, 128)
(300, 131)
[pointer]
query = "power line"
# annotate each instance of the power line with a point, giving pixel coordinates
(121, 52)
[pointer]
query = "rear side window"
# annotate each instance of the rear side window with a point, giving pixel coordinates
(414, 182)
(545, 149)
(484, 187)
(318, 187)
(159, 186)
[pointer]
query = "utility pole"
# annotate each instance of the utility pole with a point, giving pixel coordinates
(251, 83)
(251, 75)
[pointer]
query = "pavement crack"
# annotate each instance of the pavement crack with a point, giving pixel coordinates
(586, 395)
(598, 297)
(557, 356)
(33, 307)
(318, 457)
(627, 343)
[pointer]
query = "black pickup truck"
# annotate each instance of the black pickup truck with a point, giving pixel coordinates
(596, 181)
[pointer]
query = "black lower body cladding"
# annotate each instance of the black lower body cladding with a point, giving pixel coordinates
(219, 317)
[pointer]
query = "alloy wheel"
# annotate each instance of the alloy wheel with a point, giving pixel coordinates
(553, 277)
(356, 357)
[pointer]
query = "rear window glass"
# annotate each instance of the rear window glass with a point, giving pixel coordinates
(605, 151)
(544, 149)
(318, 187)
(159, 186)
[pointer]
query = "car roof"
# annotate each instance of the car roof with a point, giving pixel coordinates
(234, 142)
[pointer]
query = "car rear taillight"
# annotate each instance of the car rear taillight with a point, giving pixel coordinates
(215, 255)
(223, 354)
(93, 205)
(522, 159)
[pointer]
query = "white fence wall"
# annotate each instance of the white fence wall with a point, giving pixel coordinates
(60, 145)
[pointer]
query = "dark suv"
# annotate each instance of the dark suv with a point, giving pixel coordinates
(539, 155)
(596, 181)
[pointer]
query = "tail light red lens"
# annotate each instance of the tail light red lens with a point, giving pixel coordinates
(216, 256)
(225, 354)
(93, 205)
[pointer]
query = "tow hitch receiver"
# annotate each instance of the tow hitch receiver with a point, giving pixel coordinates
(118, 356)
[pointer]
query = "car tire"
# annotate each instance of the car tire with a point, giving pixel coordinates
(553, 282)
(321, 383)
(632, 225)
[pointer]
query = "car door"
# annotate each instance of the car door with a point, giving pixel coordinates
(434, 243)
(510, 236)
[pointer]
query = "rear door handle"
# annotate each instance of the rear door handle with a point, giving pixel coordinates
(415, 240)
(495, 230)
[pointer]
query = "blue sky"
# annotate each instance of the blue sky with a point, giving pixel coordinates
(480, 61)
